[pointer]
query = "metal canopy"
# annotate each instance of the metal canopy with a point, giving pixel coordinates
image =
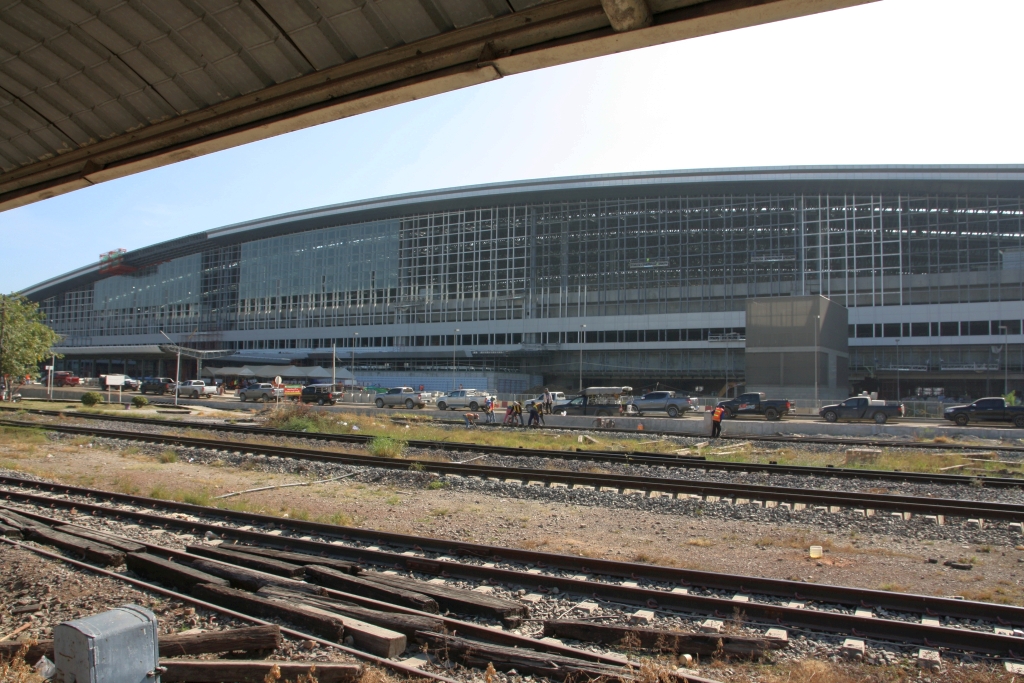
(92, 90)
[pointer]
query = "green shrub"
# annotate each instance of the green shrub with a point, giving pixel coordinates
(299, 417)
(92, 398)
(140, 401)
(386, 447)
(436, 484)
(168, 456)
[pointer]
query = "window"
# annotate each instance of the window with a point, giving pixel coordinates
(990, 403)
(892, 330)
(919, 329)
(672, 335)
(631, 336)
(1012, 327)
(974, 328)
(949, 329)
(591, 336)
(865, 331)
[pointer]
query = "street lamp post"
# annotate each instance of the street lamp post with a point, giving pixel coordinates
(817, 324)
(1006, 361)
(355, 340)
(334, 358)
(177, 371)
(898, 393)
(455, 341)
(582, 333)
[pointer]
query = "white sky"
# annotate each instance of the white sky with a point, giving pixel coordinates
(897, 81)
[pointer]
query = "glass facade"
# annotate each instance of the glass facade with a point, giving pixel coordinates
(656, 280)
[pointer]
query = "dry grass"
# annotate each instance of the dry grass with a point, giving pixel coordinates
(17, 670)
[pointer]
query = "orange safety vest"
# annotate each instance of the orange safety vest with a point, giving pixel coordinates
(717, 414)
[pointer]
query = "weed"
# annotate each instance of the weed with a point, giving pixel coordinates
(123, 484)
(201, 497)
(436, 484)
(392, 500)
(386, 447)
(17, 670)
(893, 587)
(700, 542)
(131, 450)
(299, 514)
(441, 512)
(161, 492)
(168, 456)
(416, 467)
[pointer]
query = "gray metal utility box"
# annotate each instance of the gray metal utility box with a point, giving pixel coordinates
(119, 646)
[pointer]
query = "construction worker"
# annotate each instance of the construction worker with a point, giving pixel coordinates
(716, 422)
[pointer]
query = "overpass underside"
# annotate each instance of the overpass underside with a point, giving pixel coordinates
(88, 96)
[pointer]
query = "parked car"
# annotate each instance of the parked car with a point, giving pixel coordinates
(195, 388)
(660, 401)
(404, 396)
(600, 401)
(322, 394)
(463, 398)
(63, 378)
(862, 408)
(262, 391)
(156, 385)
(986, 410)
(557, 398)
(129, 384)
(757, 404)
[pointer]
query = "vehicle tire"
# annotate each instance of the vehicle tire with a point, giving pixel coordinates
(195, 394)
(474, 406)
(409, 405)
(771, 414)
(320, 402)
(442, 406)
(1018, 422)
(880, 418)
(380, 402)
(241, 397)
(830, 416)
(163, 391)
(672, 411)
(962, 419)
(603, 413)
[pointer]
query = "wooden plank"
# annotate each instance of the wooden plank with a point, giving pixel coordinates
(457, 599)
(298, 558)
(660, 640)
(170, 574)
(11, 532)
(263, 564)
(247, 639)
(311, 619)
(254, 671)
(90, 550)
(525, 662)
(15, 520)
(251, 580)
(408, 624)
(332, 578)
(123, 544)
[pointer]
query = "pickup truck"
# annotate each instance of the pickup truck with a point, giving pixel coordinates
(862, 408)
(195, 388)
(557, 399)
(757, 404)
(659, 401)
(262, 391)
(404, 396)
(986, 410)
(463, 398)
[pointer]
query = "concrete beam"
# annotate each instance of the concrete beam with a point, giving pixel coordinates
(627, 15)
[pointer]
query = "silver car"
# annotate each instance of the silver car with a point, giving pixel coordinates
(660, 401)
(404, 397)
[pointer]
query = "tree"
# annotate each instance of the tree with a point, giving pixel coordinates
(25, 340)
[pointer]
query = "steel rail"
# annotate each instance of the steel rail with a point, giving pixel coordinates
(884, 629)
(629, 458)
(159, 590)
(822, 497)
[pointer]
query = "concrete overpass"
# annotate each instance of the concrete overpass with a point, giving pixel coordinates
(92, 90)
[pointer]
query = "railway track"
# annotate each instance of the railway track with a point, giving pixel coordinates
(629, 458)
(769, 496)
(661, 589)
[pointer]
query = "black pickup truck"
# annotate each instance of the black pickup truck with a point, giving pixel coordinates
(986, 410)
(757, 404)
(862, 408)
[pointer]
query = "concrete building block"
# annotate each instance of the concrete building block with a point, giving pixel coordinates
(976, 524)
(711, 499)
(771, 503)
(834, 509)
(712, 626)
(780, 634)
(609, 489)
(642, 616)
(741, 597)
(797, 507)
(630, 584)
(785, 506)
(929, 659)
(582, 487)
(514, 482)
(634, 492)
(486, 590)
(864, 613)
(1017, 527)
(532, 598)
(742, 501)
(681, 591)
(552, 641)
(559, 485)
(588, 607)
(853, 648)
(436, 582)
(1014, 667)
(582, 577)
(796, 605)
(1003, 631)
(930, 621)
(418, 660)
(534, 571)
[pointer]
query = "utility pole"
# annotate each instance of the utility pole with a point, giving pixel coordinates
(817, 324)
(582, 333)
(334, 357)
(177, 372)
(898, 393)
(355, 340)
(1006, 361)
(455, 341)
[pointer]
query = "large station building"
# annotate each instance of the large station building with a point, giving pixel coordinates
(640, 279)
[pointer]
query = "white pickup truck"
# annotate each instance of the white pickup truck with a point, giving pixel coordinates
(463, 398)
(195, 388)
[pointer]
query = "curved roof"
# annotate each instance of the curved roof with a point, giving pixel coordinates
(95, 91)
(1005, 180)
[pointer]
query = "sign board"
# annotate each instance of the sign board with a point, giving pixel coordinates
(48, 367)
(115, 380)
(277, 380)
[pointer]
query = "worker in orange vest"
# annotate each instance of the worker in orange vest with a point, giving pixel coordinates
(716, 422)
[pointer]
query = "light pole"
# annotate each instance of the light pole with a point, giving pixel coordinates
(177, 371)
(455, 341)
(817, 324)
(582, 333)
(898, 394)
(334, 358)
(1006, 361)
(355, 340)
